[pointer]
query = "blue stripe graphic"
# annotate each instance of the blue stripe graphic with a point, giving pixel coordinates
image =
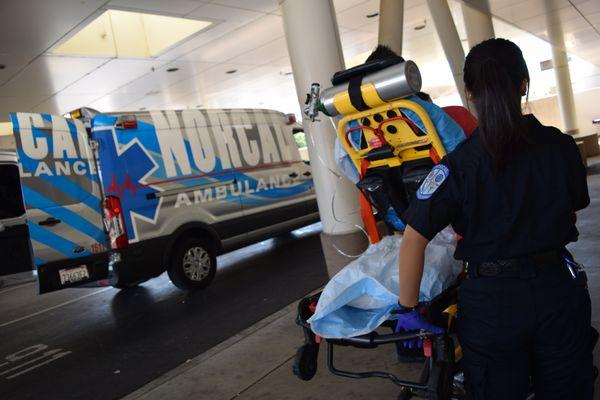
(55, 242)
(63, 184)
(36, 200)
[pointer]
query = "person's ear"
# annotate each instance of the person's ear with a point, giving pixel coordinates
(524, 87)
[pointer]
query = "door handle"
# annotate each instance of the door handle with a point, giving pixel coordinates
(50, 221)
(293, 175)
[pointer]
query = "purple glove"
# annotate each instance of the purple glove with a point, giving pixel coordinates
(410, 320)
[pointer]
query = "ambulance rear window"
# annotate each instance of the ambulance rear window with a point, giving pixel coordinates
(11, 199)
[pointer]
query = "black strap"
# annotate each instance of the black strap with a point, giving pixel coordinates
(355, 94)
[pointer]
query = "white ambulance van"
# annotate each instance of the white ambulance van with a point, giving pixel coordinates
(118, 198)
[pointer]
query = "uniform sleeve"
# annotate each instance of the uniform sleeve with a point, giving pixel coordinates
(577, 183)
(437, 201)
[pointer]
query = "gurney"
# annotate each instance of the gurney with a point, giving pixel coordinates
(440, 377)
(392, 154)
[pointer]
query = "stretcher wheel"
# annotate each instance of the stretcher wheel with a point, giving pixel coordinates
(405, 394)
(305, 363)
(441, 375)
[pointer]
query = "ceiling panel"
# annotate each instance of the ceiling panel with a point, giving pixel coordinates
(356, 16)
(50, 74)
(62, 103)
(526, 9)
(265, 54)
(264, 6)
(160, 79)
(588, 7)
(342, 5)
(110, 76)
(171, 7)
(18, 103)
(244, 39)
(224, 13)
(31, 26)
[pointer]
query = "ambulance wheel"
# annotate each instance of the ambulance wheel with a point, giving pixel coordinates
(125, 286)
(193, 264)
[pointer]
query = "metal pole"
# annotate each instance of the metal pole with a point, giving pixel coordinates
(560, 61)
(444, 25)
(478, 21)
(391, 22)
(315, 51)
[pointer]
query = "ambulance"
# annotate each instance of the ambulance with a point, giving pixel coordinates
(119, 198)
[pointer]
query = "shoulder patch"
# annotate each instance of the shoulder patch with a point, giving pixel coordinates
(432, 182)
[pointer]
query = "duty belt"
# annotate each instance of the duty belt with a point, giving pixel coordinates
(512, 267)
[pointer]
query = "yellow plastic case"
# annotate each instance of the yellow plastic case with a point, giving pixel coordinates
(406, 144)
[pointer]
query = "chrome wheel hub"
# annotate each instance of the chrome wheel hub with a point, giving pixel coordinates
(196, 264)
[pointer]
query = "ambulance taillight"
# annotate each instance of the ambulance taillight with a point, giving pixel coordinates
(290, 118)
(126, 122)
(115, 222)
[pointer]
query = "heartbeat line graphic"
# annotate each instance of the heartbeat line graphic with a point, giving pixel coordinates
(117, 189)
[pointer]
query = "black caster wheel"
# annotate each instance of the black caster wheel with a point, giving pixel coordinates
(305, 364)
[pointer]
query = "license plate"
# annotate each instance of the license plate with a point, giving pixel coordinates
(73, 275)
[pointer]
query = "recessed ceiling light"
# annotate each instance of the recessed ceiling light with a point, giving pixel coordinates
(231, 71)
(421, 26)
(173, 69)
(373, 15)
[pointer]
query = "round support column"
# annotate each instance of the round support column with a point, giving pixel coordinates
(391, 22)
(446, 30)
(478, 22)
(315, 51)
(564, 87)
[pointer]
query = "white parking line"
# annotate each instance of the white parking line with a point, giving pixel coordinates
(14, 321)
(10, 289)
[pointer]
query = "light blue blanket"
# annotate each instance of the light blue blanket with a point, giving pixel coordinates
(361, 296)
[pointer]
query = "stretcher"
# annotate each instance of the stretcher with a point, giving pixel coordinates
(440, 377)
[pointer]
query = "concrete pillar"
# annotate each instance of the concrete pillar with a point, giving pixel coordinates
(315, 51)
(391, 23)
(446, 30)
(564, 87)
(478, 22)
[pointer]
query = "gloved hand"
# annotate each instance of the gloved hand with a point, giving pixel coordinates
(410, 320)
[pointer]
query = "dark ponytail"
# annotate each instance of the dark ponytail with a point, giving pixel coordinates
(494, 72)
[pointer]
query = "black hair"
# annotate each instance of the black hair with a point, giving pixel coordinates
(382, 52)
(424, 96)
(494, 73)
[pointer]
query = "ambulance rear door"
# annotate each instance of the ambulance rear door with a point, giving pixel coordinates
(63, 200)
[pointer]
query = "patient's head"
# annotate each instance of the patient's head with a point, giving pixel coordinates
(382, 52)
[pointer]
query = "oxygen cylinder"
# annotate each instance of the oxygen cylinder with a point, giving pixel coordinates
(396, 81)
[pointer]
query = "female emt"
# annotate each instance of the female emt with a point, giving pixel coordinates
(511, 192)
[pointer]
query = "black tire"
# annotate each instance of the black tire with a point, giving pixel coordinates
(125, 286)
(182, 273)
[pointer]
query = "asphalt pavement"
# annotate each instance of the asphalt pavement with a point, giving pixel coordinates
(103, 343)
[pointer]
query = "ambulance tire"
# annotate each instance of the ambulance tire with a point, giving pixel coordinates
(193, 263)
(125, 286)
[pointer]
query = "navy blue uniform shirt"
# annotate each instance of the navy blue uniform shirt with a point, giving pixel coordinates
(526, 207)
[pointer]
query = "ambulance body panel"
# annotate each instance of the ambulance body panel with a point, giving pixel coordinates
(229, 177)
